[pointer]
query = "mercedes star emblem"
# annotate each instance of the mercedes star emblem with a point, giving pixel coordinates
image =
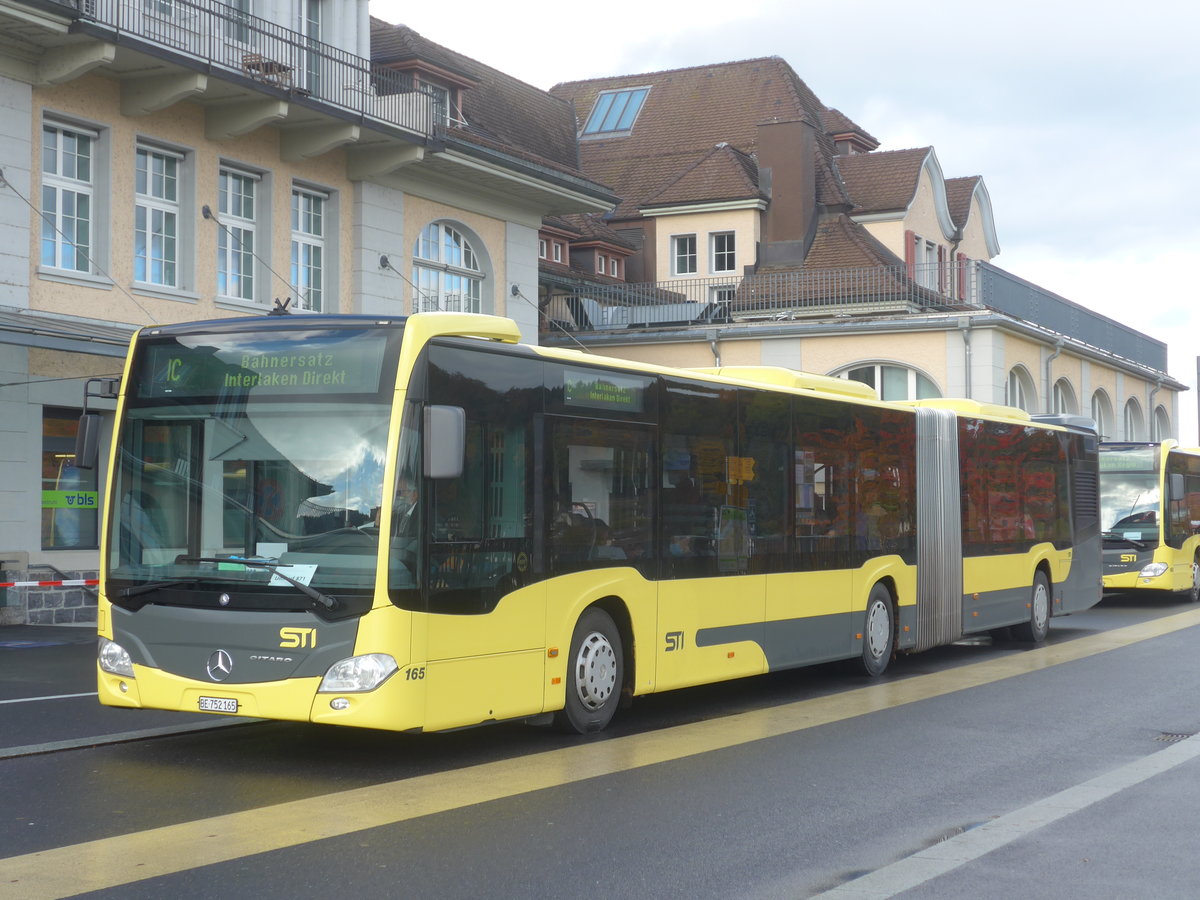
(220, 665)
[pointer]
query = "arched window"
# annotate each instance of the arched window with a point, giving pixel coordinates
(1135, 429)
(1019, 390)
(447, 276)
(1064, 398)
(893, 382)
(1102, 412)
(1161, 427)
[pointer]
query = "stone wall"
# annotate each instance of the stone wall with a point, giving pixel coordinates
(47, 605)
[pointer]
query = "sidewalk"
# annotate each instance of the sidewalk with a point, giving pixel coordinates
(13, 637)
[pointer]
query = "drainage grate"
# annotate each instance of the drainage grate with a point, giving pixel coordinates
(1170, 737)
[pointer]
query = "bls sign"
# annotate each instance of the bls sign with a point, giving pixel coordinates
(297, 637)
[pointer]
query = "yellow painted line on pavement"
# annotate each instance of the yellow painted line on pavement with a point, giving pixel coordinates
(123, 859)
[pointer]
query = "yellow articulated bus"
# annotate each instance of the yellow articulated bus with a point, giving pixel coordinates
(421, 524)
(1150, 514)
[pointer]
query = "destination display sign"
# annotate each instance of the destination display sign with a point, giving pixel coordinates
(1128, 459)
(604, 390)
(336, 362)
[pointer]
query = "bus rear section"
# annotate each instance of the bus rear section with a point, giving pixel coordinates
(1150, 510)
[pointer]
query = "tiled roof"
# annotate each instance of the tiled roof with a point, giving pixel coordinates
(591, 227)
(882, 182)
(689, 111)
(723, 173)
(501, 112)
(837, 123)
(841, 243)
(958, 197)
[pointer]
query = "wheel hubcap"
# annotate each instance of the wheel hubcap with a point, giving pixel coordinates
(878, 630)
(595, 671)
(1041, 607)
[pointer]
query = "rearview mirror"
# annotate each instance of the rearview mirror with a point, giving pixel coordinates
(445, 441)
(87, 441)
(1175, 488)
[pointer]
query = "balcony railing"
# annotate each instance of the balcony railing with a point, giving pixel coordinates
(277, 59)
(767, 296)
(878, 290)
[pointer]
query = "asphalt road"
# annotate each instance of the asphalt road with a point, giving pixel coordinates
(981, 770)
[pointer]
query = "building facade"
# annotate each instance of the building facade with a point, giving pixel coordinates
(182, 161)
(769, 229)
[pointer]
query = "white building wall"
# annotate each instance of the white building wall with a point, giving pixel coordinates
(520, 260)
(377, 222)
(16, 148)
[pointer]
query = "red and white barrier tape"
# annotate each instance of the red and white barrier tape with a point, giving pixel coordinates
(79, 582)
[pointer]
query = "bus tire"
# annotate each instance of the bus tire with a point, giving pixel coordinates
(879, 632)
(1035, 630)
(595, 673)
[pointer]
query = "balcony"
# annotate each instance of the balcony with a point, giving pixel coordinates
(800, 295)
(212, 37)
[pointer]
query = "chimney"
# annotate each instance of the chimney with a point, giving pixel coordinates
(787, 174)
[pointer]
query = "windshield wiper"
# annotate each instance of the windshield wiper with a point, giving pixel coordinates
(126, 593)
(1117, 536)
(312, 593)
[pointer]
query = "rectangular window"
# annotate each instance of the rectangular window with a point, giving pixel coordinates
(156, 217)
(235, 240)
(615, 112)
(557, 252)
(683, 254)
(541, 249)
(927, 268)
(601, 262)
(67, 187)
(614, 268)
(723, 255)
(70, 501)
(308, 248)
(237, 25)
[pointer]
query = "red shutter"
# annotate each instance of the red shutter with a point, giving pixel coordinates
(963, 262)
(910, 253)
(941, 281)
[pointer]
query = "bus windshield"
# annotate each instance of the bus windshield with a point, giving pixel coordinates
(1129, 493)
(265, 446)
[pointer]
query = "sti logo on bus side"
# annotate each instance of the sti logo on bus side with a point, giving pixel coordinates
(297, 637)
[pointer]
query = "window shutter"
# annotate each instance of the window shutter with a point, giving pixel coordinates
(910, 253)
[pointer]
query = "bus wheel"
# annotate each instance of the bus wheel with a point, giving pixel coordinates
(1038, 626)
(879, 633)
(594, 676)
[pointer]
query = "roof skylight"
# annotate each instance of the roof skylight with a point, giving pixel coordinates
(615, 111)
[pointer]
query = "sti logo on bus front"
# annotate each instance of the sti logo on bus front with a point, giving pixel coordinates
(297, 637)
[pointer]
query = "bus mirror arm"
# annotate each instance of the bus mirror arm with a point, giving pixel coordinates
(445, 441)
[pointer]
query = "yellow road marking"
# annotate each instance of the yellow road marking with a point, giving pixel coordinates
(123, 859)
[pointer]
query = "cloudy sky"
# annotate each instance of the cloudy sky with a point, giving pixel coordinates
(1083, 119)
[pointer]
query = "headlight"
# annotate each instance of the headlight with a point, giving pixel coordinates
(114, 659)
(358, 674)
(1153, 570)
